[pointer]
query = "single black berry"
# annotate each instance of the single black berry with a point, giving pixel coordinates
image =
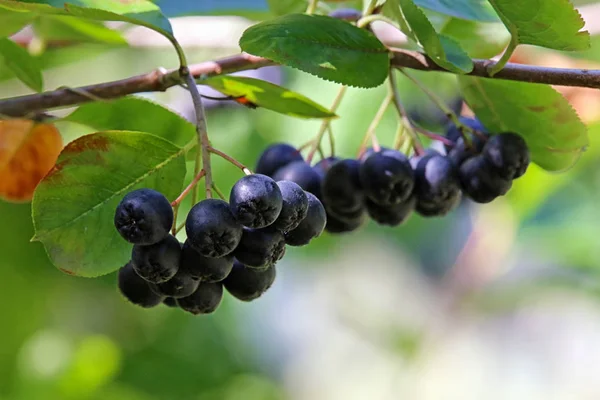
(387, 177)
(180, 285)
(249, 284)
(255, 201)
(294, 206)
(453, 132)
(480, 182)
(437, 188)
(205, 300)
(260, 247)
(368, 151)
(276, 156)
(170, 302)
(311, 227)
(135, 289)
(144, 216)
(206, 269)
(393, 215)
(341, 188)
(157, 263)
(211, 228)
(507, 154)
(302, 174)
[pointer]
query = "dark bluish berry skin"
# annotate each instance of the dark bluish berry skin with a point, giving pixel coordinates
(368, 151)
(144, 217)
(347, 14)
(275, 157)
(437, 187)
(247, 284)
(341, 188)
(205, 300)
(135, 289)
(507, 154)
(453, 133)
(294, 207)
(211, 228)
(323, 165)
(260, 248)
(181, 285)
(479, 181)
(159, 262)
(391, 215)
(387, 177)
(303, 174)
(462, 152)
(344, 224)
(311, 227)
(170, 302)
(206, 269)
(255, 201)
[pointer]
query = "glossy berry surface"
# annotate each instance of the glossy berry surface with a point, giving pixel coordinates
(157, 263)
(341, 188)
(206, 269)
(211, 228)
(205, 300)
(135, 289)
(294, 206)
(453, 133)
(480, 182)
(180, 285)
(391, 215)
(311, 227)
(260, 247)
(144, 216)
(437, 188)
(507, 154)
(276, 156)
(387, 177)
(249, 284)
(255, 201)
(301, 173)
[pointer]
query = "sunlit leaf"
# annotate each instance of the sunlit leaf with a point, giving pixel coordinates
(22, 64)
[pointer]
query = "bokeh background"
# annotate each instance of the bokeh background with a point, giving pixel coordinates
(491, 302)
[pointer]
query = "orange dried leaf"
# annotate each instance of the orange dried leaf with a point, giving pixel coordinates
(28, 150)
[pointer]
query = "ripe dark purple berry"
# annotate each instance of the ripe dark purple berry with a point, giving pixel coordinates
(324, 164)
(276, 156)
(135, 289)
(462, 152)
(453, 133)
(157, 263)
(144, 216)
(294, 206)
(206, 269)
(311, 227)
(205, 300)
(301, 173)
(437, 188)
(255, 201)
(211, 228)
(341, 188)
(480, 182)
(507, 154)
(180, 285)
(249, 284)
(391, 215)
(260, 247)
(387, 177)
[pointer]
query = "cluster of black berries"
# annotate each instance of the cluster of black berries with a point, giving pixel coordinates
(387, 186)
(233, 245)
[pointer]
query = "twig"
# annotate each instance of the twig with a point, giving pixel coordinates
(187, 190)
(317, 143)
(331, 140)
(218, 191)
(230, 159)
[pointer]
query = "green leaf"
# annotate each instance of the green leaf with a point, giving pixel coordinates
(135, 113)
(444, 51)
(554, 133)
(323, 46)
(478, 39)
(73, 207)
(391, 9)
(58, 27)
(282, 7)
(268, 95)
(475, 10)
(21, 63)
(11, 21)
(554, 24)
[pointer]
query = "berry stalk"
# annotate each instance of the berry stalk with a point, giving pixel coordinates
(230, 159)
(416, 141)
(370, 134)
(325, 124)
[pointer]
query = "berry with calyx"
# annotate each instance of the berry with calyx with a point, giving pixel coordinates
(135, 289)
(260, 247)
(206, 269)
(453, 132)
(275, 157)
(387, 177)
(301, 173)
(170, 302)
(437, 188)
(249, 284)
(211, 228)
(205, 300)
(180, 285)
(507, 154)
(311, 227)
(341, 188)
(255, 201)
(144, 216)
(480, 182)
(294, 207)
(391, 215)
(159, 262)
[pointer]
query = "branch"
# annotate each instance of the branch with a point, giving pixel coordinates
(160, 81)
